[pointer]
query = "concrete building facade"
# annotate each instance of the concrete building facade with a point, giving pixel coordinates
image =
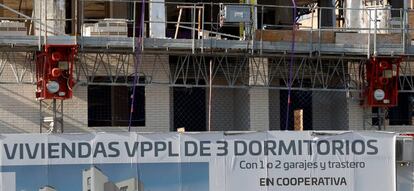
(174, 88)
(47, 188)
(94, 179)
(255, 108)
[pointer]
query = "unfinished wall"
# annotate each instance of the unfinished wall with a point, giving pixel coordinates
(258, 95)
(157, 97)
(259, 109)
(157, 19)
(232, 109)
(222, 109)
(157, 108)
(241, 116)
(19, 110)
(329, 110)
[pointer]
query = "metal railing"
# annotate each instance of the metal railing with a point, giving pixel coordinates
(200, 25)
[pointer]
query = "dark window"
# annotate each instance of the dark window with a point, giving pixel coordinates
(190, 107)
(396, 5)
(403, 113)
(299, 100)
(110, 105)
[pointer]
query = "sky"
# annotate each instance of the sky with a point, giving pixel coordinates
(155, 176)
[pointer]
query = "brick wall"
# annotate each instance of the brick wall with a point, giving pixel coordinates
(232, 108)
(19, 111)
(76, 111)
(157, 108)
(355, 115)
(259, 109)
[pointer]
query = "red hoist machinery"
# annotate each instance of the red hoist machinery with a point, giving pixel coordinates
(54, 75)
(382, 76)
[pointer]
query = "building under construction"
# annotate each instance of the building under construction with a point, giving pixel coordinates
(80, 66)
(160, 65)
(89, 65)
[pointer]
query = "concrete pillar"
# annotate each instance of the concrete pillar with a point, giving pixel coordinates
(158, 98)
(258, 72)
(356, 115)
(55, 13)
(254, 14)
(259, 109)
(76, 17)
(353, 18)
(157, 19)
(157, 108)
(248, 29)
(258, 96)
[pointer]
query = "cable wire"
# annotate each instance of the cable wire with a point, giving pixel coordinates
(291, 65)
(137, 62)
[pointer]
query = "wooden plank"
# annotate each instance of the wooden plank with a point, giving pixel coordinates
(362, 38)
(411, 23)
(326, 37)
(94, 10)
(298, 119)
(300, 36)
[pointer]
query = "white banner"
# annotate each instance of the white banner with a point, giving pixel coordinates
(275, 161)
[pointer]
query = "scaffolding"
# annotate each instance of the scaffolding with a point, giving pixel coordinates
(237, 61)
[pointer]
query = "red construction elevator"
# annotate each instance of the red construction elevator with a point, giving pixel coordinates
(55, 81)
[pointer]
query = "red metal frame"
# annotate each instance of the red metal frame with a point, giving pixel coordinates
(382, 73)
(407, 134)
(55, 63)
